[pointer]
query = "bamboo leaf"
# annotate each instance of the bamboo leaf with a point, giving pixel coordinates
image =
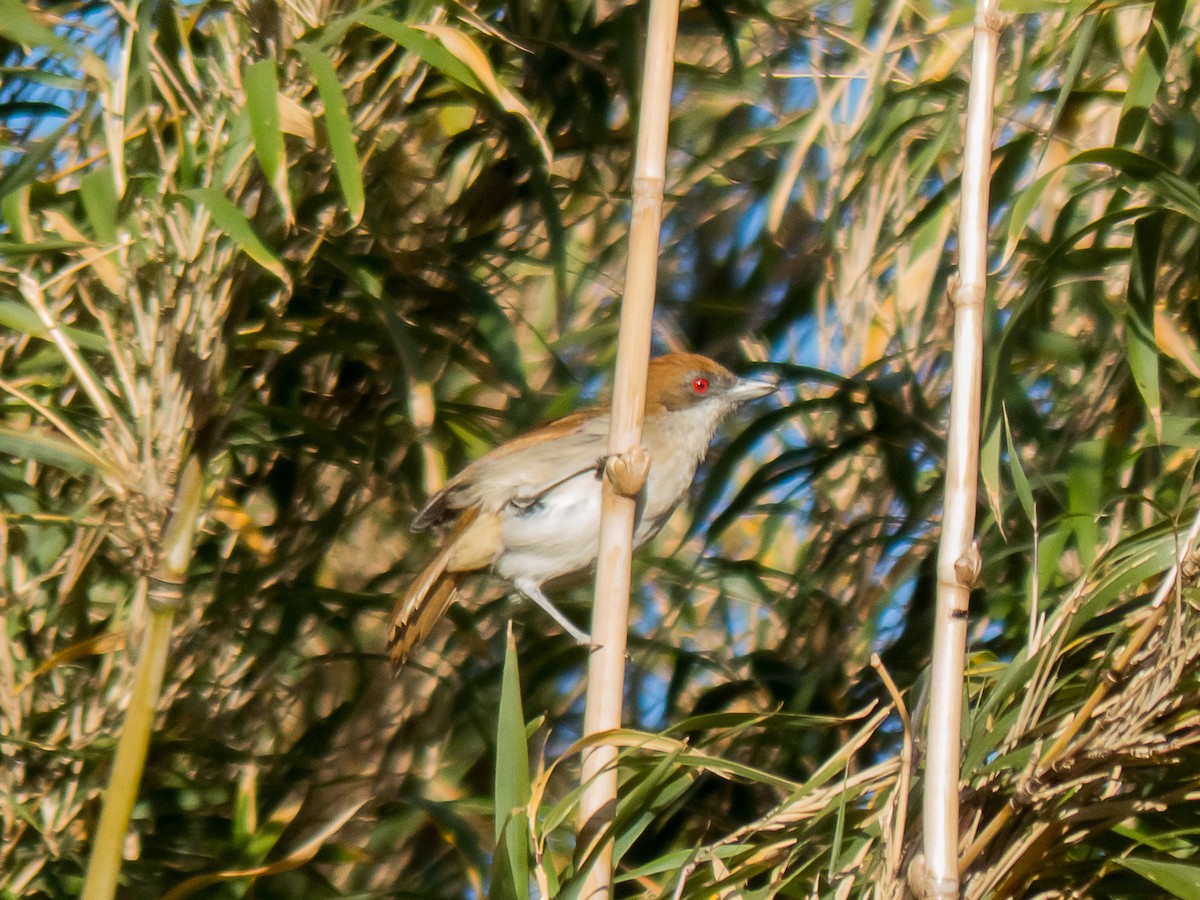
(24, 170)
(19, 317)
(1150, 70)
(1174, 191)
(459, 58)
(261, 83)
(511, 873)
(48, 450)
(339, 129)
(1023, 209)
(14, 206)
(430, 52)
(1180, 879)
(1020, 482)
(989, 470)
(99, 195)
(1029, 199)
(1141, 348)
(1084, 490)
(468, 53)
(20, 27)
(236, 226)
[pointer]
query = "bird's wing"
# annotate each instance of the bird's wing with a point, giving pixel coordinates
(523, 468)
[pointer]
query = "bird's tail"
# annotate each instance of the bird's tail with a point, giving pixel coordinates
(415, 615)
(426, 598)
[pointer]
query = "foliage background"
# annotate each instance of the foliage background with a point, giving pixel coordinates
(337, 250)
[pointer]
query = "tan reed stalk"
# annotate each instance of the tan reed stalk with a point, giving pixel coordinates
(958, 561)
(627, 461)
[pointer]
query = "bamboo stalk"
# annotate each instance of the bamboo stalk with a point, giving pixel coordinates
(104, 865)
(610, 613)
(958, 561)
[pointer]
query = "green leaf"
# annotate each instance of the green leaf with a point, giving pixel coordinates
(98, 192)
(511, 872)
(1141, 349)
(1150, 70)
(20, 27)
(14, 206)
(1020, 482)
(1180, 879)
(48, 450)
(989, 471)
(230, 220)
(1135, 559)
(1027, 202)
(24, 171)
(20, 317)
(1084, 494)
(452, 52)
(1029, 199)
(430, 51)
(646, 797)
(261, 83)
(1173, 191)
(57, 80)
(339, 129)
(244, 821)
(40, 248)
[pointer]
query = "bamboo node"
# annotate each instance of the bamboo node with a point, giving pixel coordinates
(1191, 566)
(627, 471)
(968, 566)
(647, 187)
(165, 593)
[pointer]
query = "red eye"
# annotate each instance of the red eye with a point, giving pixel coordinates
(700, 386)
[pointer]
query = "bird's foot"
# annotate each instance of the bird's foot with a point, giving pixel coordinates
(627, 471)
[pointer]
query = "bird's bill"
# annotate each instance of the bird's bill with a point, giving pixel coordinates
(751, 389)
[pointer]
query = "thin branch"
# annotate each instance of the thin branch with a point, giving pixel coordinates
(66, 430)
(32, 292)
(894, 846)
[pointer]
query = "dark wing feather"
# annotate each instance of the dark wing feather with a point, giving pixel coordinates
(435, 511)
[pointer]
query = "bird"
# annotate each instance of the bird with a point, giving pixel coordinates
(529, 510)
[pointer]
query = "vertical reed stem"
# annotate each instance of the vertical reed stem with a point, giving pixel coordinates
(610, 614)
(958, 559)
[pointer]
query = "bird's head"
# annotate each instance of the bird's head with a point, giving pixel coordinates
(680, 381)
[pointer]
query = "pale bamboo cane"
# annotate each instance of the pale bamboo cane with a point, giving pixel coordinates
(627, 462)
(958, 561)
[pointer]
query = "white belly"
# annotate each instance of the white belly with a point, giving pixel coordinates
(555, 536)
(559, 534)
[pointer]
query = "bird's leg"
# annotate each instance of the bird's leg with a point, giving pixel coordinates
(533, 591)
